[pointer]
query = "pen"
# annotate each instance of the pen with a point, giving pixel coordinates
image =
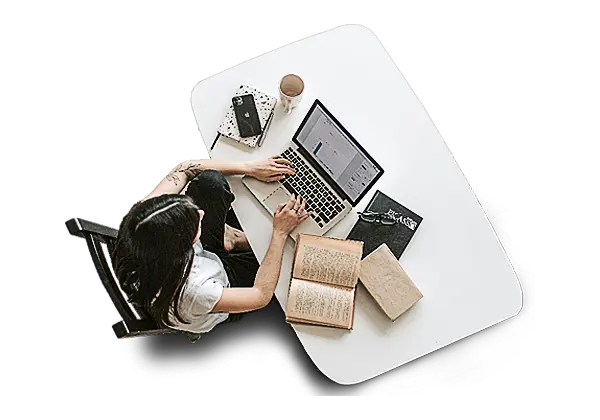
(267, 125)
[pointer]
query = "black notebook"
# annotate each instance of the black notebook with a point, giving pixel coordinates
(395, 236)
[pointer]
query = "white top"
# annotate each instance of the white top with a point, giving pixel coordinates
(201, 293)
(454, 258)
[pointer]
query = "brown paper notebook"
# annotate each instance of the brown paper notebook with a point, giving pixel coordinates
(323, 286)
(385, 279)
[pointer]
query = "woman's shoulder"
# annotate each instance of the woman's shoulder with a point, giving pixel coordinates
(198, 248)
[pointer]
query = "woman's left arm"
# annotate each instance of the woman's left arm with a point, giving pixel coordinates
(271, 169)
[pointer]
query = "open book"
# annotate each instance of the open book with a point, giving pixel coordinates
(323, 286)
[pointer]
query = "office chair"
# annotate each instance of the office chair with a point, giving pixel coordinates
(135, 321)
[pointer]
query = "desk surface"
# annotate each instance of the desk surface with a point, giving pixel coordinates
(455, 257)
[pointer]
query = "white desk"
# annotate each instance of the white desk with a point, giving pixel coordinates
(455, 257)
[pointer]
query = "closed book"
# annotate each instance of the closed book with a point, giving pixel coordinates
(265, 105)
(388, 283)
(397, 236)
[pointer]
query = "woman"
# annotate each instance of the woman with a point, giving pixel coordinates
(176, 257)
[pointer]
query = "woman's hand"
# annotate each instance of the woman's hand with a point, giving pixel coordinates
(272, 169)
(289, 215)
(244, 299)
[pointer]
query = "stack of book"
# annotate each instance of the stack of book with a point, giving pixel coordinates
(265, 106)
(326, 271)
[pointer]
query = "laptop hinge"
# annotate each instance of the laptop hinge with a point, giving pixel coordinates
(328, 179)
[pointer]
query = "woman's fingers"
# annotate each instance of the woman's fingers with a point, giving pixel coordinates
(290, 204)
(301, 209)
(279, 207)
(282, 169)
(279, 165)
(274, 178)
(297, 203)
(303, 218)
(282, 161)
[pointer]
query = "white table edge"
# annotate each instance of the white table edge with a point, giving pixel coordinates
(332, 377)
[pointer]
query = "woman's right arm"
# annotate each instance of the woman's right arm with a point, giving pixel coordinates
(244, 299)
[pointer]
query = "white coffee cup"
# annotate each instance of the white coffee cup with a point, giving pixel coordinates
(291, 88)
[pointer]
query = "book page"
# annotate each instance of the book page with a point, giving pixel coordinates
(310, 301)
(327, 260)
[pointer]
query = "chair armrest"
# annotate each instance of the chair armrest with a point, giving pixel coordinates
(78, 227)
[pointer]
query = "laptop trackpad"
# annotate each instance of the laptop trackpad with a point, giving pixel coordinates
(280, 195)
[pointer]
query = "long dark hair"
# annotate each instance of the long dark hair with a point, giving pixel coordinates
(153, 254)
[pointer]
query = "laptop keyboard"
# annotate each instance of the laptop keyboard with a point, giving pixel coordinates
(319, 198)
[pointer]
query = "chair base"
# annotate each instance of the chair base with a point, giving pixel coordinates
(144, 328)
(138, 328)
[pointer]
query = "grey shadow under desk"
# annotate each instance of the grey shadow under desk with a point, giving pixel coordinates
(265, 332)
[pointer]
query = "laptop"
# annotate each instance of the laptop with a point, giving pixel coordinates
(333, 172)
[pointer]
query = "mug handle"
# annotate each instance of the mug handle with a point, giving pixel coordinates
(288, 108)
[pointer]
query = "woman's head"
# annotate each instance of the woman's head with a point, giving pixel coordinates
(153, 252)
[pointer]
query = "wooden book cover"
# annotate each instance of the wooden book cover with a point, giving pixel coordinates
(385, 279)
(323, 286)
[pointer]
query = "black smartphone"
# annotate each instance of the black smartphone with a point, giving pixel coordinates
(246, 115)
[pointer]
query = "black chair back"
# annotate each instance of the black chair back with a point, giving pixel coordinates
(100, 241)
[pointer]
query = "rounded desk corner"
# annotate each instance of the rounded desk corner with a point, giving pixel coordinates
(512, 310)
(358, 27)
(519, 306)
(329, 375)
(193, 92)
(364, 29)
(332, 378)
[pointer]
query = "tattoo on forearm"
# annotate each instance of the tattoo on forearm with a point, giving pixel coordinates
(174, 178)
(190, 170)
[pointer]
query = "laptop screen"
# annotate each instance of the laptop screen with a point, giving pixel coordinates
(337, 153)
